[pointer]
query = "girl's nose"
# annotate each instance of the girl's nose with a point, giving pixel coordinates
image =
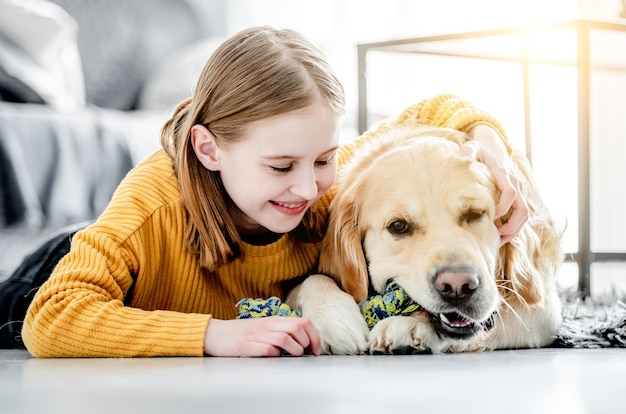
(305, 185)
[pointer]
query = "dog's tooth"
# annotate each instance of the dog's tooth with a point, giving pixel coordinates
(444, 318)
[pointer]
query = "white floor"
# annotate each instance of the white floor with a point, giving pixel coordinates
(526, 381)
(504, 382)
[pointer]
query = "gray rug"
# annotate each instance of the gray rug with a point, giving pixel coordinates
(593, 322)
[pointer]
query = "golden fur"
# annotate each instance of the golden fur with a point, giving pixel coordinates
(411, 208)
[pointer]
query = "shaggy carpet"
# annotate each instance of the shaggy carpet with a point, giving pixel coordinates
(593, 322)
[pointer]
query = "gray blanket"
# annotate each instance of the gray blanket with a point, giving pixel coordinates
(59, 168)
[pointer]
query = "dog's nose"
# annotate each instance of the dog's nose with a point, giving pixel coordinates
(455, 284)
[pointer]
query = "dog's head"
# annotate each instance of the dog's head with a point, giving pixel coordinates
(409, 207)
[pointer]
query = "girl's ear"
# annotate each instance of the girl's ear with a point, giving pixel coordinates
(205, 147)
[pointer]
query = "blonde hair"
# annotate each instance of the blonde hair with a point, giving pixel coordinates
(257, 73)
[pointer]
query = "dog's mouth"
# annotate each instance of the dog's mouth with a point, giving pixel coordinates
(455, 325)
(396, 301)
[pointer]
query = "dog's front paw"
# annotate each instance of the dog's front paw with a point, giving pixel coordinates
(397, 333)
(341, 326)
(335, 315)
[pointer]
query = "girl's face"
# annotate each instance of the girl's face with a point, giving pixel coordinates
(279, 168)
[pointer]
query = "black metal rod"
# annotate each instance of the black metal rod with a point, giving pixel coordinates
(584, 212)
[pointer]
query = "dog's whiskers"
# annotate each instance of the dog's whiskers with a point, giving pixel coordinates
(512, 310)
(501, 323)
(503, 286)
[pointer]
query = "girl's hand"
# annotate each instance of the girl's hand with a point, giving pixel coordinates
(259, 337)
(487, 147)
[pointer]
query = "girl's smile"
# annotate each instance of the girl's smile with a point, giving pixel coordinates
(291, 208)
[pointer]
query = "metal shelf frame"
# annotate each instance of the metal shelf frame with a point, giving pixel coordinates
(584, 257)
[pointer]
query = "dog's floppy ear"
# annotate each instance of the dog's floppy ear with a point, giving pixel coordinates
(517, 275)
(532, 256)
(342, 255)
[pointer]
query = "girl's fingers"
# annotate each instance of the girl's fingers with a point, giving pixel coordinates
(470, 149)
(315, 343)
(292, 335)
(261, 337)
(301, 332)
(283, 341)
(511, 199)
(508, 194)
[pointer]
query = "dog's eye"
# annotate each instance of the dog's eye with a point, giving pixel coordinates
(471, 216)
(399, 227)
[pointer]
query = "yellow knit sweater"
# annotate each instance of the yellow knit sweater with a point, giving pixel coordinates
(130, 286)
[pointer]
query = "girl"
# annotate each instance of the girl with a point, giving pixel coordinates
(232, 207)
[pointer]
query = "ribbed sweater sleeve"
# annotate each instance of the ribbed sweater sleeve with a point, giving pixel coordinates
(80, 311)
(450, 111)
(445, 111)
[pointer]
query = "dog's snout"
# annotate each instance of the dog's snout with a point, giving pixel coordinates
(454, 284)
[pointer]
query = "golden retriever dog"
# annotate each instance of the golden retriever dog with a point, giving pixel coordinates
(410, 208)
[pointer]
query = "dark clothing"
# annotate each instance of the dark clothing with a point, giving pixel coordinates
(18, 291)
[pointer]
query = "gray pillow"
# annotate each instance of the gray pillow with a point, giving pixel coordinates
(174, 77)
(39, 57)
(121, 41)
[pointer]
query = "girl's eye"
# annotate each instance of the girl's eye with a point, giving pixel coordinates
(282, 169)
(327, 161)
